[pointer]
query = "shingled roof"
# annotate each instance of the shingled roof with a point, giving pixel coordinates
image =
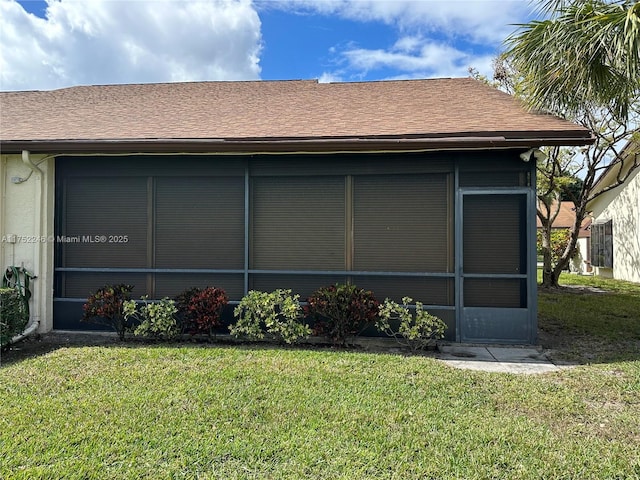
(276, 116)
(566, 218)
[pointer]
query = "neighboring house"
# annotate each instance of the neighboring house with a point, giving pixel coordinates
(581, 263)
(615, 231)
(295, 184)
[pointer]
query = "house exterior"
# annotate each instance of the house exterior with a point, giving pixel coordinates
(581, 263)
(282, 184)
(616, 220)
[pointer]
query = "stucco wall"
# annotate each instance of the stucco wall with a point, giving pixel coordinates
(579, 263)
(622, 206)
(26, 227)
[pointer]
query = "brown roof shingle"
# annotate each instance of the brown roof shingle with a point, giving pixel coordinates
(441, 110)
(566, 218)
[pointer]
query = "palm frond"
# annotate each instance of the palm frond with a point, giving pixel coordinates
(587, 53)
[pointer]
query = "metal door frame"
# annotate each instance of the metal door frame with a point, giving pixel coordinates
(528, 314)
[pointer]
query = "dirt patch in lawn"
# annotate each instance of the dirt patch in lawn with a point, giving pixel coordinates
(575, 289)
(582, 324)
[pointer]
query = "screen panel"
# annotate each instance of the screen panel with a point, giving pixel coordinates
(298, 223)
(199, 222)
(402, 223)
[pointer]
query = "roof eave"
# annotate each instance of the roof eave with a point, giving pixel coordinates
(310, 145)
(606, 178)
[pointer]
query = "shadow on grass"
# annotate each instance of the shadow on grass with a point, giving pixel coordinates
(590, 322)
(44, 344)
(37, 345)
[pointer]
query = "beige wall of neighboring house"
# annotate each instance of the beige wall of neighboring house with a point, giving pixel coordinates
(26, 226)
(621, 206)
(580, 264)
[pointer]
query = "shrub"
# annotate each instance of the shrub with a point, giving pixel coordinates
(157, 319)
(342, 310)
(204, 310)
(183, 315)
(416, 332)
(13, 315)
(559, 240)
(278, 313)
(105, 307)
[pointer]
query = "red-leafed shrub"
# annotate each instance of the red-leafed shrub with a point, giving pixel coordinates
(202, 309)
(342, 310)
(104, 307)
(183, 316)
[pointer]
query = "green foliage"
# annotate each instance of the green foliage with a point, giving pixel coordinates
(414, 331)
(559, 240)
(277, 313)
(342, 310)
(13, 315)
(156, 319)
(586, 53)
(105, 307)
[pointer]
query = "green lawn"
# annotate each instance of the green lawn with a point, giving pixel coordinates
(584, 326)
(193, 411)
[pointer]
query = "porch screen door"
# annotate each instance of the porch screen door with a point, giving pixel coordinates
(494, 287)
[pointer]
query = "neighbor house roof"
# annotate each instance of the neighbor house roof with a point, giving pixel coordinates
(276, 116)
(616, 172)
(566, 218)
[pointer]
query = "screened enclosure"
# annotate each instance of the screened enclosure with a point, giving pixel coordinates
(452, 230)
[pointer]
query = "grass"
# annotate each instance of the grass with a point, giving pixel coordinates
(188, 411)
(591, 320)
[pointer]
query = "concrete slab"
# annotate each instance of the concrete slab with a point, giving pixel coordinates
(464, 353)
(517, 355)
(517, 360)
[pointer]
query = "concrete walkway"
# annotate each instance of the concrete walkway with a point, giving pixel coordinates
(496, 359)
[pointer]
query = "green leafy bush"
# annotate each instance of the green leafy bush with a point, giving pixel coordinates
(156, 319)
(342, 311)
(201, 309)
(559, 240)
(277, 313)
(414, 331)
(13, 315)
(105, 307)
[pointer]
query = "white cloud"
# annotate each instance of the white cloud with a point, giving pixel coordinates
(480, 21)
(328, 77)
(435, 38)
(418, 58)
(106, 41)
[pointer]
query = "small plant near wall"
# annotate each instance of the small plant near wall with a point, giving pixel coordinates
(13, 316)
(156, 319)
(278, 313)
(416, 332)
(105, 307)
(200, 310)
(342, 311)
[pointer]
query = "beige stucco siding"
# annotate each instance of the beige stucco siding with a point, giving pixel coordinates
(622, 206)
(26, 227)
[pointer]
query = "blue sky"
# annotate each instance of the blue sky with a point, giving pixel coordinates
(54, 44)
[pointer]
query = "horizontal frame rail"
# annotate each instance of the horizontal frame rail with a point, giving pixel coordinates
(359, 273)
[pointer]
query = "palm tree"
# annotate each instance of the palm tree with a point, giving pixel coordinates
(586, 53)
